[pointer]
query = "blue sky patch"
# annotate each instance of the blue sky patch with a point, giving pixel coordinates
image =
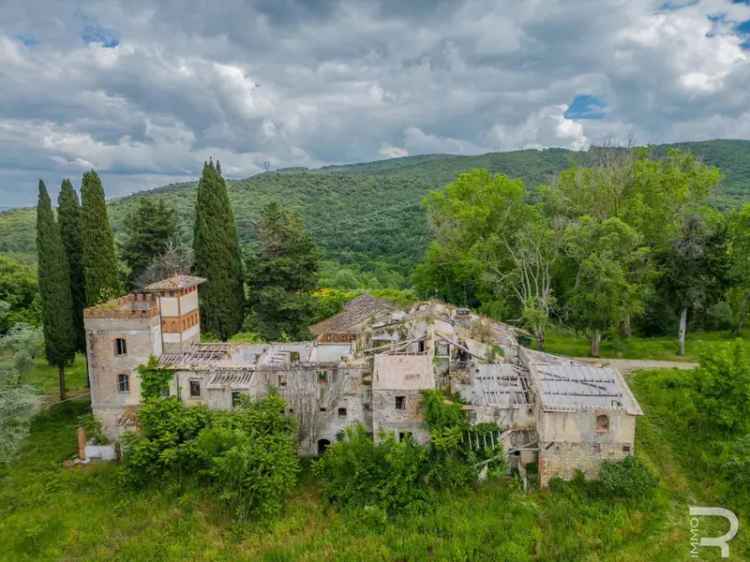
(98, 34)
(586, 106)
(27, 39)
(672, 5)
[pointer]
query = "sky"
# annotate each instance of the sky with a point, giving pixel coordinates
(145, 92)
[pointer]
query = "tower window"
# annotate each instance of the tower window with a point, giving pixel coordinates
(401, 402)
(342, 412)
(123, 383)
(121, 346)
(195, 389)
(602, 423)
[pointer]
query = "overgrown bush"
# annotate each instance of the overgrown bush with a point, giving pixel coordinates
(357, 472)
(735, 467)
(93, 428)
(394, 476)
(18, 402)
(154, 381)
(722, 389)
(247, 455)
(627, 479)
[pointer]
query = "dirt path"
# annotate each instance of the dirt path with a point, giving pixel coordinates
(625, 366)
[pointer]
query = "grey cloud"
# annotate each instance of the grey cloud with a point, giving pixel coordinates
(313, 83)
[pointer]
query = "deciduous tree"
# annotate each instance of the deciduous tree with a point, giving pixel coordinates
(610, 266)
(695, 269)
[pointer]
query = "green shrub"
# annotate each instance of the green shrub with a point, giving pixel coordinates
(247, 455)
(628, 479)
(722, 388)
(93, 428)
(251, 456)
(154, 381)
(356, 472)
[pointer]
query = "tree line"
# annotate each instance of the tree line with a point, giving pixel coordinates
(627, 244)
(266, 291)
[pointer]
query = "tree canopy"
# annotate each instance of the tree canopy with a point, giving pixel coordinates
(148, 232)
(281, 273)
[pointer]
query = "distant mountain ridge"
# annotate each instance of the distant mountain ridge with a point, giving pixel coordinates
(371, 211)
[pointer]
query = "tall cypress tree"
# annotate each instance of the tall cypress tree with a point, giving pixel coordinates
(99, 261)
(54, 289)
(217, 256)
(69, 217)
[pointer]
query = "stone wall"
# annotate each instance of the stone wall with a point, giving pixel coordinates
(142, 335)
(571, 441)
(565, 459)
(387, 418)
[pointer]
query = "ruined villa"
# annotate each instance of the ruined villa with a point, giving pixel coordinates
(368, 364)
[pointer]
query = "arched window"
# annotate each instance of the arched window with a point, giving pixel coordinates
(602, 423)
(323, 444)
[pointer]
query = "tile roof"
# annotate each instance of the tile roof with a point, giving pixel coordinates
(354, 313)
(175, 282)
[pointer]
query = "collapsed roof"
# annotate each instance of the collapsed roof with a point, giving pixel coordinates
(355, 313)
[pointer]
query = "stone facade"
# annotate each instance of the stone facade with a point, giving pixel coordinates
(369, 366)
(119, 338)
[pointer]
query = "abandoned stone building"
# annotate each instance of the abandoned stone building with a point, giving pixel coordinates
(368, 364)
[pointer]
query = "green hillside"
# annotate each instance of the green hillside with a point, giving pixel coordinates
(366, 212)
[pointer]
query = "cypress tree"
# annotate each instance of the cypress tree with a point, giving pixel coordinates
(99, 261)
(217, 256)
(69, 217)
(54, 290)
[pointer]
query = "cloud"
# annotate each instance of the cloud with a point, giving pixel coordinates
(547, 127)
(389, 151)
(146, 91)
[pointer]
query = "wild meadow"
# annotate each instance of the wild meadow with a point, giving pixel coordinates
(48, 512)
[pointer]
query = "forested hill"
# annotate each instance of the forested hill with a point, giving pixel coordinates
(363, 213)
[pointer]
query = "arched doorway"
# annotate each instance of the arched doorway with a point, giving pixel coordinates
(323, 444)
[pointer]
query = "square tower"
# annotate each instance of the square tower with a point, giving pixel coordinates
(121, 335)
(180, 314)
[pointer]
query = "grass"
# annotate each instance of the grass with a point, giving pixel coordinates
(45, 378)
(48, 512)
(567, 342)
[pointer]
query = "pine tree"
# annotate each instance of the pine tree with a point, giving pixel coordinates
(69, 217)
(282, 274)
(54, 290)
(217, 257)
(99, 261)
(149, 230)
